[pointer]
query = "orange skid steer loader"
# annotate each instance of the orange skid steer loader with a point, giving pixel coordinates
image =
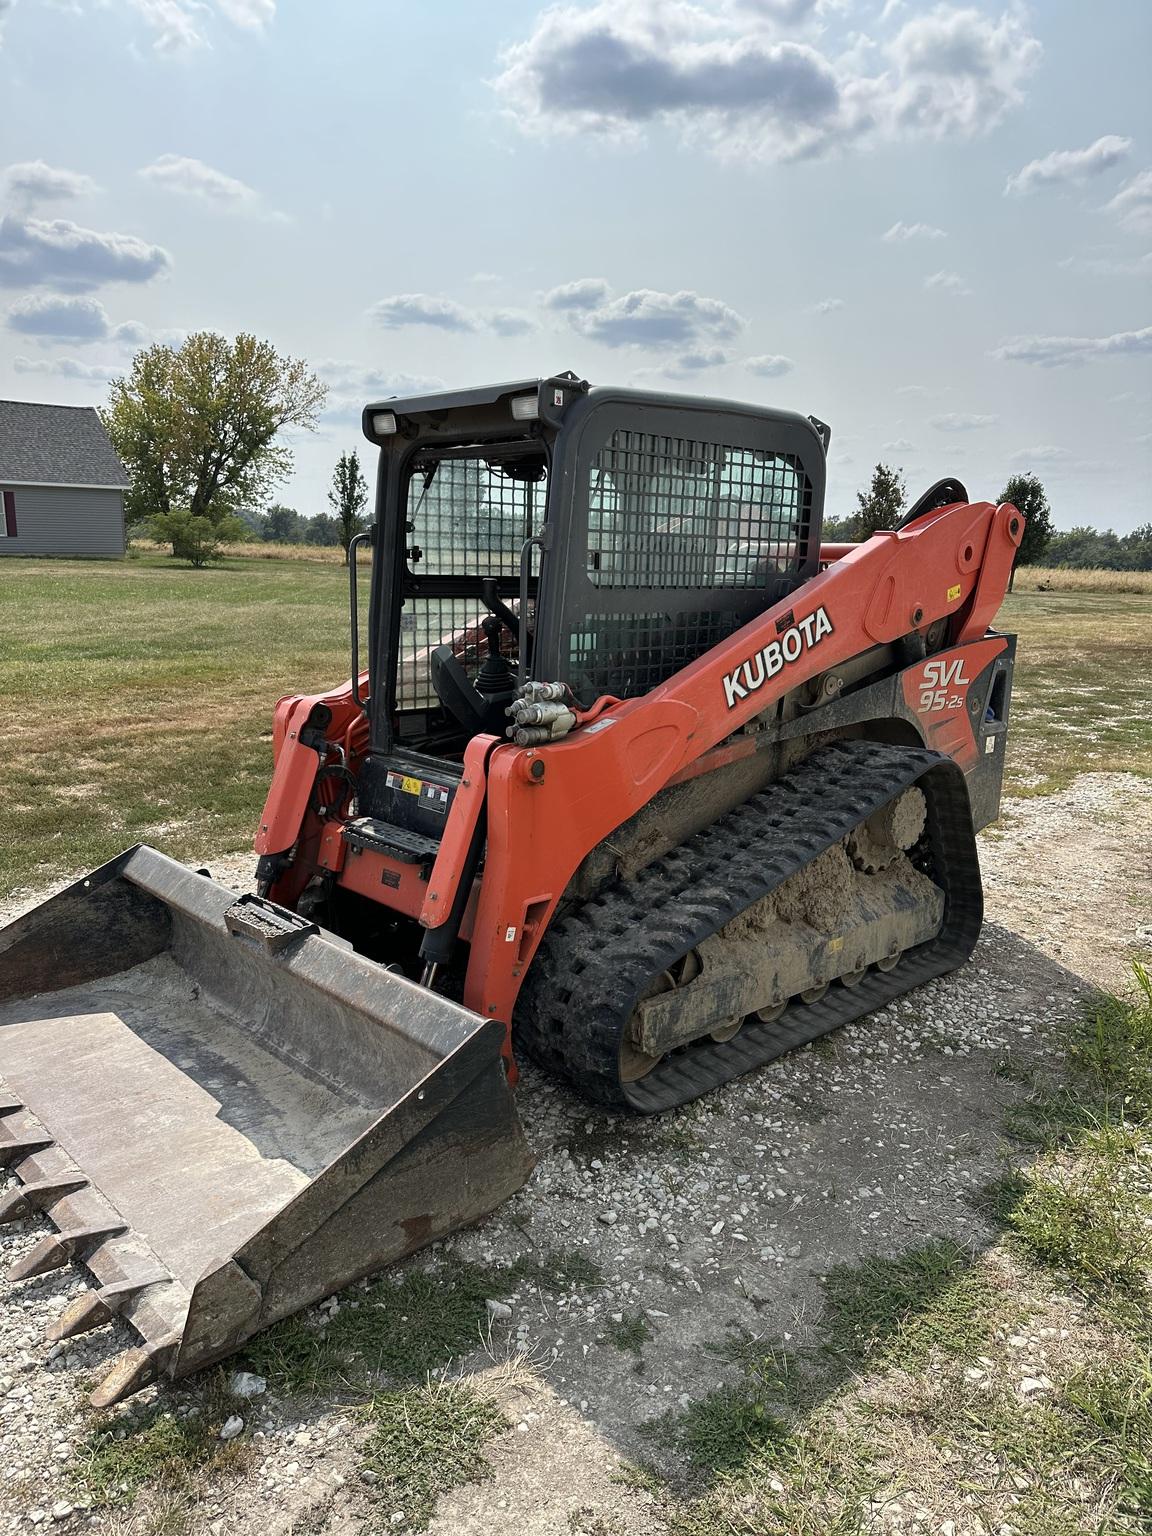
(640, 779)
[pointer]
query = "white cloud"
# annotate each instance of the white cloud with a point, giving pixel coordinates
(898, 445)
(58, 318)
(585, 293)
(948, 282)
(60, 254)
(253, 15)
(959, 72)
(689, 364)
(352, 386)
(787, 13)
(33, 182)
(1109, 266)
(347, 378)
(720, 74)
(188, 177)
(1132, 205)
(181, 173)
(648, 318)
(411, 309)
(181, 25)
(1045, 453)
(67, 368)
(828, 306)
(902, 231)
(484, 277)
(769, 365)
(53, 317)
(509, 322)
(693, 362)
(173, 23)
(404, 309)
(958, 421)
(1064, 351)
(1065, 167)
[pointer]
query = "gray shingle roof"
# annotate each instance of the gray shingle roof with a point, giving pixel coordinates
(56, 445)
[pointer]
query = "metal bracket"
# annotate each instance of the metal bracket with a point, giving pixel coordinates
(254, 917)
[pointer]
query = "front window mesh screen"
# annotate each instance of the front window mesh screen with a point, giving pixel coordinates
(670, 513)
(469, 518)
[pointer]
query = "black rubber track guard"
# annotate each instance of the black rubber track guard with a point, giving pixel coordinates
(596, 961)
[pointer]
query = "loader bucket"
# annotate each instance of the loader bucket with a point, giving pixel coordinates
(227, 1113)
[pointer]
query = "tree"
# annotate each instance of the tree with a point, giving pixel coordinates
(348, 497)
(281, 525)
(196, 425)
(322, 530)
(1027, 495)
(882, 505)
(196, 539)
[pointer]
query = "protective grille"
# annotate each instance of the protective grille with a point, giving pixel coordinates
(629, 654)
(669, 513)
(470, 518)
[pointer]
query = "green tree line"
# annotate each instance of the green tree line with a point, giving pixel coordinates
(885, 502)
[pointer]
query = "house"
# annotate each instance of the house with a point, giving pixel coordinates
(61, 484)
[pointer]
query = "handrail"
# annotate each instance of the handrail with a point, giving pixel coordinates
(354, 603)
(525, 573)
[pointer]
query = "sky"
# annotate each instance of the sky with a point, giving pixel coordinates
(929, 225)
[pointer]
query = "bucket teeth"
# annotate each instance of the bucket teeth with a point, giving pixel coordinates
(87, 1311)
(56, 1249)
(28, 1198)
(95, 1308)
(13, 1149)
(134, 1369)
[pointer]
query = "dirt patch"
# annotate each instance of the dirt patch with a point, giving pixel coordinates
(1072, 872)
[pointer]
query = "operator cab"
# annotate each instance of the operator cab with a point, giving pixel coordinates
(543, 529)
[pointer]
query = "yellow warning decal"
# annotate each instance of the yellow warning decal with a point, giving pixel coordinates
(954, 592)
(410, 786)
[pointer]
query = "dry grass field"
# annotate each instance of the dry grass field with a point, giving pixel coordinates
(909, 1279)
(1030, 578)
(1042, 578)
(140, 696)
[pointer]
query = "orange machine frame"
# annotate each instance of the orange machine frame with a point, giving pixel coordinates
(548, 807)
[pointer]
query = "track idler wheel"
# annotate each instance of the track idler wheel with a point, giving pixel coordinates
(892, 830)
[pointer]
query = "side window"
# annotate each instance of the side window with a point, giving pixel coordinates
(8, 523)
(666, 513)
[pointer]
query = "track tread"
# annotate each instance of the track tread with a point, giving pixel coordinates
(595, 961)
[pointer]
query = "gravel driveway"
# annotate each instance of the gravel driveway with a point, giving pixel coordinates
(724, 1215)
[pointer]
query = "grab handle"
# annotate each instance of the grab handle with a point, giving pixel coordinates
(354, 603)
(539, 542)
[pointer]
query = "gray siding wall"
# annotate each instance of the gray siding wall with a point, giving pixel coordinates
(54, 520)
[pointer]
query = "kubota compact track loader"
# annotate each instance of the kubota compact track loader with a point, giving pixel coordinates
(640, 778)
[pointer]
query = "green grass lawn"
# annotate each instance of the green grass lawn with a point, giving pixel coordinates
(1082, 697)
(138, 697)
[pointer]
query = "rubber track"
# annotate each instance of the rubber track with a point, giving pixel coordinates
(595, 961)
